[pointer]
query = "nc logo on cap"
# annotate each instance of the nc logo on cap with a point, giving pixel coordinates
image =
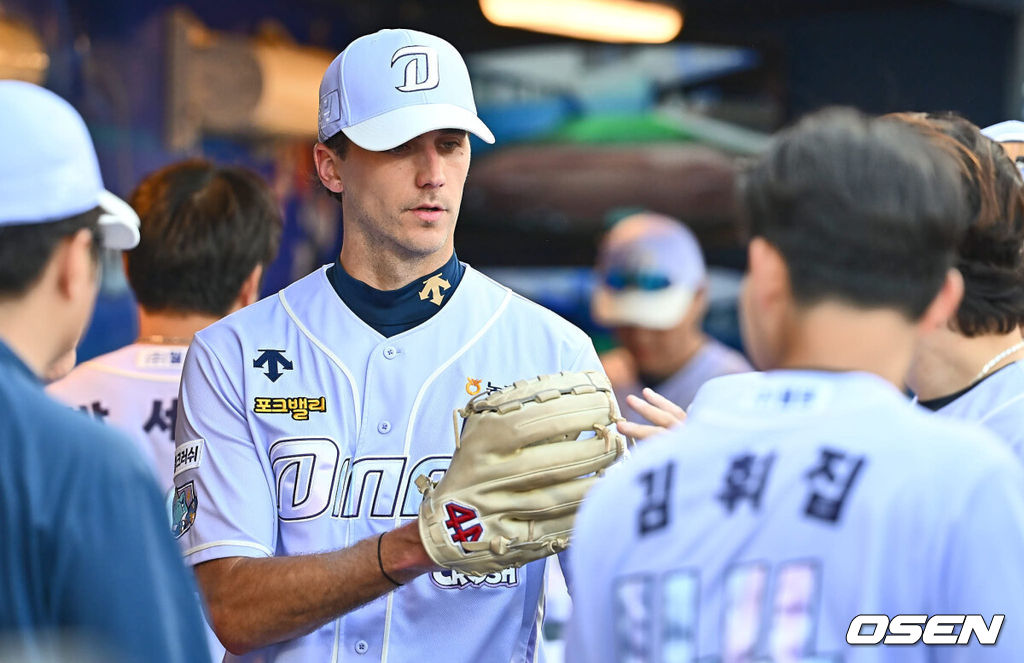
(416, 80)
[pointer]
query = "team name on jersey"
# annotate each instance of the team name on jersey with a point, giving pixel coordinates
(313, 479)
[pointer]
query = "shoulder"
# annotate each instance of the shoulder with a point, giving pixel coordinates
(66, 440)
(522, 313)
(261, 316)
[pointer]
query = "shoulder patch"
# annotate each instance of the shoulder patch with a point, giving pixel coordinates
(188, 456)
(183, 512)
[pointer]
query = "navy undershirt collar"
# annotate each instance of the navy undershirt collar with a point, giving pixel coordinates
(392, 312)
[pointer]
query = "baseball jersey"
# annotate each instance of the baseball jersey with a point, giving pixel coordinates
(712, 360)
(135, 389)
(302, 429)
(790, 502)
(997, 403)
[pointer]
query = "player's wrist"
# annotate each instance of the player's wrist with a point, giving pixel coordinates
(402, 554)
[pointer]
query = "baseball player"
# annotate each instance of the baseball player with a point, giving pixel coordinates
(207, 232)
(793, 500)
(973, 368)
(652, 292)
(206, 235)
(87, 571)
(305, 418)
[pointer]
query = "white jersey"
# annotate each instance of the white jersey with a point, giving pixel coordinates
(135, 389)
(301, 429)
(790, 502)
(997, 403)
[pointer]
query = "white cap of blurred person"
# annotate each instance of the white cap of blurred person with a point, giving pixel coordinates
(50, 176)
(1010, 134)
(652, 292)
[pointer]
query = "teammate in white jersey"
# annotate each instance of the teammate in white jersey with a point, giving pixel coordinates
(207, 232)
(305, 419)
(973, 368)
(793, 500)
(652, 292)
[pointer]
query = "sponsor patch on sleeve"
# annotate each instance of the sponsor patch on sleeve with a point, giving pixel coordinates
(188, 456)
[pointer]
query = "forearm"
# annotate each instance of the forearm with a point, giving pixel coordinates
(255, 602)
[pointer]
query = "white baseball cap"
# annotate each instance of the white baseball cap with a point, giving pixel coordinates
(1010, 131)
(387, 88)
(649, 269)
(48, 166)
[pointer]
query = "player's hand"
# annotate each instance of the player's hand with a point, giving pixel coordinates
(656, 409)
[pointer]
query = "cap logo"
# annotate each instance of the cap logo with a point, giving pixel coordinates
(420, 71)
(330, 108)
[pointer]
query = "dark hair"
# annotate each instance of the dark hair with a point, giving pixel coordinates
(338, 143)
(26, 249)
(863, 210)
(203, 230)
(991, 252)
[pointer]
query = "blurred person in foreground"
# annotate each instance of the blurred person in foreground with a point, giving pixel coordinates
(652, 292)
(799, 509)
(84, 553)
(207, 234)
(973, 367)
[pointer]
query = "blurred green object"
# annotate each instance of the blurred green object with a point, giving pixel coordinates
(666, 125)
(620, 128)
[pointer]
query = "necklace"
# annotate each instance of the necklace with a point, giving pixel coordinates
(1016, 347)
(157, 339)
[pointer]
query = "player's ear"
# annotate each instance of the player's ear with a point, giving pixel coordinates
(327, 168)
(250, 290)
(767, 273)
(945, 304)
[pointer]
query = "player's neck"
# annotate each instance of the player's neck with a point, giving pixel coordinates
(29, 328)
(947, 362)
(385, 270)
(171, 328)
(836, 337)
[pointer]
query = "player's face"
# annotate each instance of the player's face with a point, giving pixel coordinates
(406, 200)
(659, 353)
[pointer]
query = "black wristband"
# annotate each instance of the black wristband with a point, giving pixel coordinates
(380, 562)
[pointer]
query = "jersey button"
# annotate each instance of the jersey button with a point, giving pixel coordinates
(362, 647)
(390, 352)
(384, 427)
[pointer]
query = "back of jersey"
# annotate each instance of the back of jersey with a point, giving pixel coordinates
(789, 503)
(134, 389)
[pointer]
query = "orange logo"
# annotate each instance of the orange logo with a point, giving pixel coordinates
(473, 386)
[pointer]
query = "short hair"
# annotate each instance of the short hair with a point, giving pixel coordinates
(863, 211)
(204, 228)
(26, 249)
(991, 251)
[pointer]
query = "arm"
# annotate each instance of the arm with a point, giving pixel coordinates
(227, 523)
(253, 602)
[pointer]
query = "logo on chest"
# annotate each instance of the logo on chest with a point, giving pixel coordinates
(297, 406)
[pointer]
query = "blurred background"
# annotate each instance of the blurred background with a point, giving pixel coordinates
(590, 125)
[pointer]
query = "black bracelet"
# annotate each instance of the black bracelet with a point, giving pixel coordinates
(380, 562)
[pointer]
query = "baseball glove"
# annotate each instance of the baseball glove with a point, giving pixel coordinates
(519, 472)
